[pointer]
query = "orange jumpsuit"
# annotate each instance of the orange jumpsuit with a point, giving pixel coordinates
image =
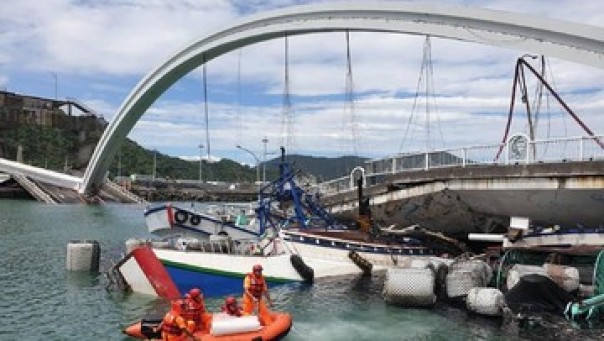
(173, 326)
(256, 285)
(195, 310)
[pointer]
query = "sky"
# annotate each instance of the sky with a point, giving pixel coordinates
(97, 51)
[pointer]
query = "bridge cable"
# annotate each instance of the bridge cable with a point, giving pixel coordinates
(538, 100)
(426, 81)
(413, 108)
(287, 130)
(526, 101)
(430, 89)
(520, 64)
(564, 118)
(538, 103)
(350, 97)
(564, 105)
(239, 120)
(510, 111)
(206, 114)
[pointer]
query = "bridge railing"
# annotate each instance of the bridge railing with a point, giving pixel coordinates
(580, 148)
(566, 149)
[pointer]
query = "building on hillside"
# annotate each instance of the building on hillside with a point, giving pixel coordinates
(17, 111)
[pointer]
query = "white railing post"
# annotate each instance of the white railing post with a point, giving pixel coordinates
(393, 164)
(427, 163)
(463, 157)
(581, 149)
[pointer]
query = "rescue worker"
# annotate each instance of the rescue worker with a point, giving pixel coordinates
(174, 327)
(195, 310)
(231, 307)
(254, 287)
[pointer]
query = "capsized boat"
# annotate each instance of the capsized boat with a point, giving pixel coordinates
(223, 327)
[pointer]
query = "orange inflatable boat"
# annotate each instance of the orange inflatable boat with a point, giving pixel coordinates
(223, 328)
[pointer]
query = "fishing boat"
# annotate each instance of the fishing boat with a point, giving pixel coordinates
(293, 255)
(557, 237)
(522, 234)
(297, 241)
(234, 220)
(223, 327)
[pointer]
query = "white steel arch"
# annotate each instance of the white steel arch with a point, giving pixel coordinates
(571, 41)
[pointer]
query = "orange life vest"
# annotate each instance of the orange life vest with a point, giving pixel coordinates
(169, 324)
(256, 285)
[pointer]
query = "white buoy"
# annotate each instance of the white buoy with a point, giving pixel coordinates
(565, 276)
(83, 255)
(465, 275)
(520, 270)
(485, 301)
(410, 287)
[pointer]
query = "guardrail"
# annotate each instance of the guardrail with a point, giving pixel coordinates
(518, 150)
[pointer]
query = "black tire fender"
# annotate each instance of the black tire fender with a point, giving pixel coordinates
(195, 219)
(181, 216)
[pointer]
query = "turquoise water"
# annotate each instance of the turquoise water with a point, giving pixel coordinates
(40, 300)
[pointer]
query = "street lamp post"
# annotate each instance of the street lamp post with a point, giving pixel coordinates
(201, 146)
(257, 161)
(264, 141)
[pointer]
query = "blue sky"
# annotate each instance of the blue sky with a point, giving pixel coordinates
(99, 50)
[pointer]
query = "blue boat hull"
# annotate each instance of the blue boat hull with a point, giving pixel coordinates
(212, 283)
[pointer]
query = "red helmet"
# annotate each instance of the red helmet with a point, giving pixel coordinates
(194, 293)
(257, 267)
(230, 300)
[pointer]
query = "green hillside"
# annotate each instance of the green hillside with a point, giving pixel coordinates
(52, 148)
(321, 167)
(137, 160)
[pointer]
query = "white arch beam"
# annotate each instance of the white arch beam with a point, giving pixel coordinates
(575, 42)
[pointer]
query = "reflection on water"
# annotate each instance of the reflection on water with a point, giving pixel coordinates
(43, 301)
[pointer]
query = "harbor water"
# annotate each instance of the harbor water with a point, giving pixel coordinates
(41, 300)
